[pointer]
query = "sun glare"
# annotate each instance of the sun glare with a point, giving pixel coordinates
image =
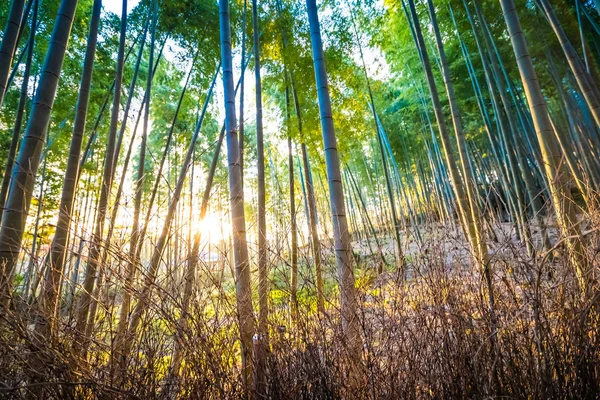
(212, 228)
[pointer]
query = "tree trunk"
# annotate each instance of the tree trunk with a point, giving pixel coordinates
(558, 179)
(583, 78)
(135, 252)
(55, 261)
(95, 245)
(33, 257)
(157, 254)
(82, 218)
(312, 213)
(312, 209)
(242, 91)
(189, 275)
(115, 206)
(28, 161)
(292, 200)
(395, 220)
(131, 93)
(508, 169)
(363, 204)
(343, 250)
(263, 259)
(461, 196)
(190, 272)
(263, 286)
(10, 159)
(9, 43)
(495, 72)
(474, 219)
(115, 209)
(139, 181)
(236, 196)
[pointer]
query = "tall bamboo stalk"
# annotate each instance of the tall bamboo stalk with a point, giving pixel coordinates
(343, 250)
(236, 198)
(28, 161)
(139, 180)
(584, 80)
(55, 262)
(474, 220)
(263, 259)
(190, 272)
(530, 187)
(146, 291)
(466, 201)
(242, 87)
(263, 272)
(83, 304)
(452, 164)
(395, 220)
(10, 158)
(562, 199)
(9, 43)
(312, 207)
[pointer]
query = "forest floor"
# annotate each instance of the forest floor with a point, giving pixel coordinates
(429, 331)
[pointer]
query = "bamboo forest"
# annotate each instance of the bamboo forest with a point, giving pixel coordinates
(299, 199)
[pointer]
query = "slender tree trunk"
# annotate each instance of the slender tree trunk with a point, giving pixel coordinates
(24, 19)
(190, 272)
(386, 173)
(33, 258)
(115, 208)
(292, 200)
(312, 211)
(507, 170)
(535, 200)
(55, 262)
(589, 163)
(93, 132)
(159, 176)
(81, 219)
(28, 161)
(461, 195)
(131, 94)
(478, 240)
(512, 165)
(242, 91)
(466, 202)
(129, 276)
(527, 128)
(343, 250)
(584, 80)
(391, 198)
(9, 43)
(559, 181)
(157, 254)
(135, 252)
(236, 195)
(95, 245)
(88, 206)
(263, 273)
(263, 259)
(139, 182)
(20, 111)
(366, 216)
(582, 37)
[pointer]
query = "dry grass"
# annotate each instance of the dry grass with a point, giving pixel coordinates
(430, 335)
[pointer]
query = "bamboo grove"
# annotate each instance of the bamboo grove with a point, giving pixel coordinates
(280, 199)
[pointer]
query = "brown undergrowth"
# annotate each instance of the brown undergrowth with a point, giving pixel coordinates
(427, 333)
